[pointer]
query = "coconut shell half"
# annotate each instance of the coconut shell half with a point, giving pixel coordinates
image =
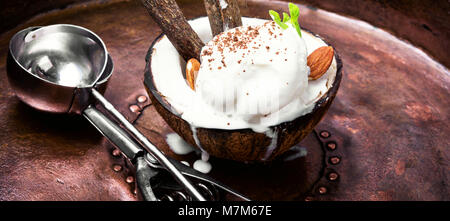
(242, 145)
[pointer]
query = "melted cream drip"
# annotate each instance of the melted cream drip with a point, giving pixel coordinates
(202, 165)
(194, 135)
(273, 144)
(181, 147)
(178, 145)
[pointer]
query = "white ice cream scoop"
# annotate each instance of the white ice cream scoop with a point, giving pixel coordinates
(252, 71)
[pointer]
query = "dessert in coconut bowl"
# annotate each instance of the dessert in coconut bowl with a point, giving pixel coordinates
(244, 89)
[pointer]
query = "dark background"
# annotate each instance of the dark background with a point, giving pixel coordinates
(425, 23)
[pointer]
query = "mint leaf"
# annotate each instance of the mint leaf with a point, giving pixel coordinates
(276, 18)
(293, 18)
(286, 17)
(295, 13)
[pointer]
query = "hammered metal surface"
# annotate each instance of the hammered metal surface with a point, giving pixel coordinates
(60, 157)
(389, 120)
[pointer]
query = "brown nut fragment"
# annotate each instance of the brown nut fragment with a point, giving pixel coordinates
(192, 67)
(319, 61)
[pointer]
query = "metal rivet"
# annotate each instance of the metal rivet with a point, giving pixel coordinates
(308, 198)
(335, 160)
(333, 176)
(322, 190)
(135, 108)
(129, 179)
(117, 168)
(116, 152)
(331, 145)
(325, 134)
(142, 99)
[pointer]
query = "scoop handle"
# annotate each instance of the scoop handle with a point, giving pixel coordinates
(116, 135)
(126, 144)
(146, 144)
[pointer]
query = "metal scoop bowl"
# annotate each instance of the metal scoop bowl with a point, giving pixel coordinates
(64, 69)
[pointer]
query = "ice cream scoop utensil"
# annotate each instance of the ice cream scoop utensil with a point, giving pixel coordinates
(63, 69)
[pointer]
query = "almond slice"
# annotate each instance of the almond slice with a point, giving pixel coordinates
(319, 61)
(192, 67)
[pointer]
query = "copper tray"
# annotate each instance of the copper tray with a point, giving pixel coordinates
(384, 138)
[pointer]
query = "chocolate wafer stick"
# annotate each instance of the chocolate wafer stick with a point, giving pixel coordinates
(171, 20)
(223, 15)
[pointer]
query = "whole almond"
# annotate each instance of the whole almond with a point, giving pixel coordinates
(319, 61)
(192, 67)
